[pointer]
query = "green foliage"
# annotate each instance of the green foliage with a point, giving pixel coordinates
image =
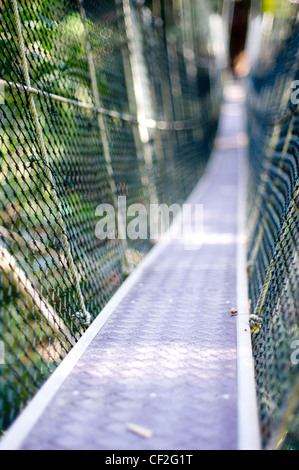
(55, 41)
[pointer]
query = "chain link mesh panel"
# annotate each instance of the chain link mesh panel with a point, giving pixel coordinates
(273, 226)
(97, 100)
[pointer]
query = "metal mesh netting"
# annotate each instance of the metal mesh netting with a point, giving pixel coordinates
(273, 225)
(97, 100)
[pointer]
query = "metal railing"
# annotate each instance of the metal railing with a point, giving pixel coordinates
(99, 101)
(273, 264)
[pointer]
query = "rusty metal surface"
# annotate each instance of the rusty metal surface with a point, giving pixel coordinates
(166, 360)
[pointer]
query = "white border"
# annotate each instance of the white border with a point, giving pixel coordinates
(20, 429)
(248, 420)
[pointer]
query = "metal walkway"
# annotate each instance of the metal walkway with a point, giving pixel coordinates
(166, 354)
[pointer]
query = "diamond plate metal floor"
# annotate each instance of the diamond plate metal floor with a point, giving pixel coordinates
(166, 359)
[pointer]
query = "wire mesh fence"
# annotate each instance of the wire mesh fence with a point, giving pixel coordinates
(98, 100)
(273, 224)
